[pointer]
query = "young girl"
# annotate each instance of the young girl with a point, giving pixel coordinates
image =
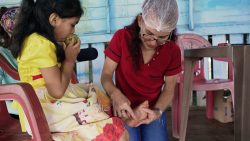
(46, 63)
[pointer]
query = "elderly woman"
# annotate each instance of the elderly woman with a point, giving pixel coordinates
(145, 60)
(7, 19)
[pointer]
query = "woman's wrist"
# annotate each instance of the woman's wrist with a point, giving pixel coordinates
(158, 110)
(111, 95)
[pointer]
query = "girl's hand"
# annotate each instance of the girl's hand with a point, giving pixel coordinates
(121, 105)
(72, 50)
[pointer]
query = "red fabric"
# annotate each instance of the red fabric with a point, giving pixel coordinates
(112, 132)
(35, 77)
(146, 83)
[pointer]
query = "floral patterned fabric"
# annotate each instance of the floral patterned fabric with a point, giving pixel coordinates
(80, 114)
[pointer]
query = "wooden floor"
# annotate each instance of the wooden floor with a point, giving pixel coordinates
(202, 129)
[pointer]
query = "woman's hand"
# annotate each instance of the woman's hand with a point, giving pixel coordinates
(71, 51)
(152, 115)
(140, 114)
(121, 105)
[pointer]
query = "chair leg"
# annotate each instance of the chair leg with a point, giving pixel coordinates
(210, 104)
(232, 94)
(176, 112)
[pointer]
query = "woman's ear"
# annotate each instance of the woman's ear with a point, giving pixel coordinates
(139, 20)
(53, 19)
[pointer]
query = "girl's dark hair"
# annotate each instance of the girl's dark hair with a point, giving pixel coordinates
(135, 42)
(4, 37)
(34, 17)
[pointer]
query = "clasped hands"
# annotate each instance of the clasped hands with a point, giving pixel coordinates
(142, 114)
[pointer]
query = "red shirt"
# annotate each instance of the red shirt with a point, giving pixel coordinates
(145, 84)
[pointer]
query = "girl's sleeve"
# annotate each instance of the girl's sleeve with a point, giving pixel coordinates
(42, 53)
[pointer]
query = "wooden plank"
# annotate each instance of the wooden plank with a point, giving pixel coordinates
(124, 11)
(93, 3)
(119, 23)
(222, 16)
(219, 5)
(126, 2)
(236, 38)
(212, 17)
(94, 14)
(9, 3)
(92, 26)
(209, 29)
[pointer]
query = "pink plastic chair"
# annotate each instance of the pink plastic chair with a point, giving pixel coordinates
(191, 41)
(10, 129)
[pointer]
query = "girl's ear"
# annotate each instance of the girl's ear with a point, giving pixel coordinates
(53, 19)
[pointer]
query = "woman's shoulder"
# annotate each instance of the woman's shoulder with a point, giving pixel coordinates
(122, 33)
(172, 45)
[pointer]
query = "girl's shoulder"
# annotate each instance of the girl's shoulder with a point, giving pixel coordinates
(37, 37)
(37, 40)
(37, 43)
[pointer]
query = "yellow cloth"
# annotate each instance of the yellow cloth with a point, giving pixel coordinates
(79, 111)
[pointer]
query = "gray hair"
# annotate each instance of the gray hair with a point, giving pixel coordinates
(161, 15)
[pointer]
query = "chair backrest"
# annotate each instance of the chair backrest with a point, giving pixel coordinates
(8, 68)
(26, 96)
(192, 41)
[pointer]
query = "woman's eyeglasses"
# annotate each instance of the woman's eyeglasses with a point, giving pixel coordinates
(160, 40)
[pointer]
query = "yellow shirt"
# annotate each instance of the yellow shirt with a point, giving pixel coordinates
(37, 52)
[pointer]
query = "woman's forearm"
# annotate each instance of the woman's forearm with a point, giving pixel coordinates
(167, 94)
(108, 84)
